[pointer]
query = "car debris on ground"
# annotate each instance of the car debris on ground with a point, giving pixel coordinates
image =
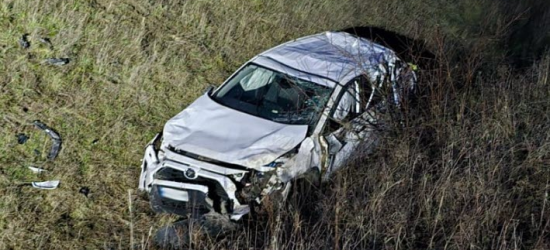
(37, 170)
(54, 151)
(55, 137)
(47, 42)
(45, 184)
(85, 191)
(22, 138)
(24, 41)
(57, 61)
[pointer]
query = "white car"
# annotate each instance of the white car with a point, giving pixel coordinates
(305, 106)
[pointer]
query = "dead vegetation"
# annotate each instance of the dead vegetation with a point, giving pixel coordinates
(469, 169)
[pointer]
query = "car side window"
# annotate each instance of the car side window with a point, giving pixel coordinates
(346, 107)
(365, 92)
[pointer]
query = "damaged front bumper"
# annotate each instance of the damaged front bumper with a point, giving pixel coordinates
(186, 186)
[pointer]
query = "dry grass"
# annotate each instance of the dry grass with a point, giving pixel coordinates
(468, 171)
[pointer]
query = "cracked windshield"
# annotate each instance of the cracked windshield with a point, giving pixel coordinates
(274, 96)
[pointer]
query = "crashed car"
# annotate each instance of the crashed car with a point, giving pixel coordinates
(305, 106)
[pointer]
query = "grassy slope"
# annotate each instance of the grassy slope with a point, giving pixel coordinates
(472, 171)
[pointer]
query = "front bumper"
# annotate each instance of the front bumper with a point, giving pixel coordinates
(182, 185)
(184, 200)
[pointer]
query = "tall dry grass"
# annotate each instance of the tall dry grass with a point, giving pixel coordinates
(468, 171)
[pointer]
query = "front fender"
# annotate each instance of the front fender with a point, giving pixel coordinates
(149, 164)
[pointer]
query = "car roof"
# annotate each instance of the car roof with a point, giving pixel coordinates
(337, 56)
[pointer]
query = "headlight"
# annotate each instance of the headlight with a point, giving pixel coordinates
(253, 185)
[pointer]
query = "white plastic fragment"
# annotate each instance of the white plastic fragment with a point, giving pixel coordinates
(46, 184)
(57, 61)
(37, 170)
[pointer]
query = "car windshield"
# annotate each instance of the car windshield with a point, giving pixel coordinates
(274, 96)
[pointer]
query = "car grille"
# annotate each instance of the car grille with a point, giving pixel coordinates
(215, 191)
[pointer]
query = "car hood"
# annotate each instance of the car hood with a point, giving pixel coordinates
(212, 130)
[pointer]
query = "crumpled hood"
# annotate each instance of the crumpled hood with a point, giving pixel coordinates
(212, 130)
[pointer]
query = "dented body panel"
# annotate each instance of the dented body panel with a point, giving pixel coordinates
(205, 128)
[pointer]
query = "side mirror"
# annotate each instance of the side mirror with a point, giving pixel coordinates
(208, 91)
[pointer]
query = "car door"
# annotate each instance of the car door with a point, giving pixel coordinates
(350, 124)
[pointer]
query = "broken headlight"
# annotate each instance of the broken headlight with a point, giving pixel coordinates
(260, 183)
(253, 185)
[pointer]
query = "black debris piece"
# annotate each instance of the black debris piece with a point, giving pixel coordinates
(22, 138)
(24, 42)
(46, 41)
(84, 190)
(57, 61)
(56, 139)
(95, 141)
(25, 109)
